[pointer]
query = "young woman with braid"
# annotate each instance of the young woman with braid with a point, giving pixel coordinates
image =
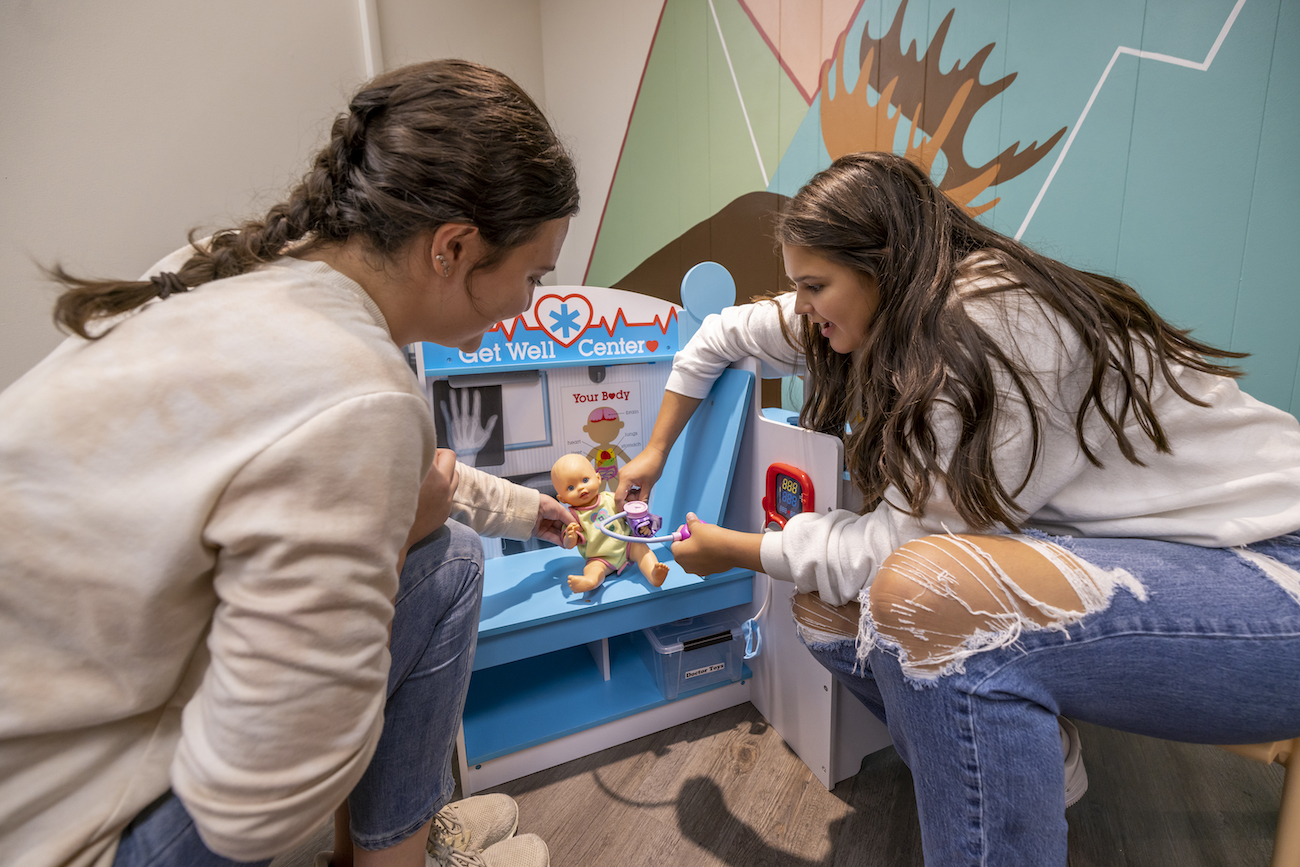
(212, 488)
(1070, 508)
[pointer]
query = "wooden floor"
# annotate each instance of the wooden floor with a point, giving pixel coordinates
(725, 790)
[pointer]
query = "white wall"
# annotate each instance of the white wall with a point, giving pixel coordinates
(594, 52)
(580, 59)
(128, 123)
(502, 34)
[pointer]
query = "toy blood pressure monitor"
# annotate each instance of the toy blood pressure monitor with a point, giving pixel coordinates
(789, 491)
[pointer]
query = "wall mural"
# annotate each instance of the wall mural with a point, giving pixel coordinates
(941, 106)
(1156, 135)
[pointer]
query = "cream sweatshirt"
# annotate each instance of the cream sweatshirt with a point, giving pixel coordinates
(200, 520)
(1233, 477)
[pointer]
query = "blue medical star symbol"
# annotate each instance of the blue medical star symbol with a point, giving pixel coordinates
(565, 320)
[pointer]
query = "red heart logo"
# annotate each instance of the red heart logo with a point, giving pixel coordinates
(564, 319)
(652, 345)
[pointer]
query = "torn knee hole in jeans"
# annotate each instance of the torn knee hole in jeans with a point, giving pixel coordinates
(821, 623)
(939, 600)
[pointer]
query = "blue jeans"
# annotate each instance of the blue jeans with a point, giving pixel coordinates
(435, 627)
(1209, 657)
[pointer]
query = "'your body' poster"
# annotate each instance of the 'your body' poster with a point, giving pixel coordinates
(603, 422)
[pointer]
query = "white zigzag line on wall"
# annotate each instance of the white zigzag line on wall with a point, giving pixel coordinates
(736, 82)
(1141, 55)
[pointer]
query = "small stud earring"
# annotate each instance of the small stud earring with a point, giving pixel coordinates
(446, 269)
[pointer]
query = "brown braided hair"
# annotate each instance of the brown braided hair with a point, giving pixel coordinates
(881, 215)
(421, 146)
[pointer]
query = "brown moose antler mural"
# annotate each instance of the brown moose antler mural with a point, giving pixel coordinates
(940, 104)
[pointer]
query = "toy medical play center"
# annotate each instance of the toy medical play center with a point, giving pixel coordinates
(559, 674)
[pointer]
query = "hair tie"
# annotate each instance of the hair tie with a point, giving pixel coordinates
(167, 283)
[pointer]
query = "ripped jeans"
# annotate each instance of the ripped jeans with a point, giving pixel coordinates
(1162, 639)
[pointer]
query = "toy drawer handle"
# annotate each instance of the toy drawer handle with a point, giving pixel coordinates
(706, 641)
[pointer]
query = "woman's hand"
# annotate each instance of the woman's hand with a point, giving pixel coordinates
(712, 549)
(552, 517)
(434, 506)
(644, 469)
(640, 472)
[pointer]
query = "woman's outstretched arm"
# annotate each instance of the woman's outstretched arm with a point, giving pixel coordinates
(644, 469)
(745, 331)
(712, 549)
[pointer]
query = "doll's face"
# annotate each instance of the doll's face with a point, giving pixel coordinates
(576, 482)
(603, 431)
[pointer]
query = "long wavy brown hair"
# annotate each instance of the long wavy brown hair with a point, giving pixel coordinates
(880, 215)
(424, 145)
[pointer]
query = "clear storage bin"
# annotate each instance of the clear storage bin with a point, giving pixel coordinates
(692, 653)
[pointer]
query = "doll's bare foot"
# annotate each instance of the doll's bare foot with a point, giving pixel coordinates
(583, 583)
(654, 571)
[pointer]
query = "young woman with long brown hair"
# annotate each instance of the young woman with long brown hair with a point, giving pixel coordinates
(211, 488)
(1070, 508)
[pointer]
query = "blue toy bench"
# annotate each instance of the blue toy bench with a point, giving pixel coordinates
(555, 673)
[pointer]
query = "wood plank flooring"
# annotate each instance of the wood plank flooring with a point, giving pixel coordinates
(726, 790)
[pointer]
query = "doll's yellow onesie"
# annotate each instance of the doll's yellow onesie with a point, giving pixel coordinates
(610, 551)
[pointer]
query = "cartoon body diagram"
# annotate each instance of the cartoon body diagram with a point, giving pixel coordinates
(577, 485)
(603, 427)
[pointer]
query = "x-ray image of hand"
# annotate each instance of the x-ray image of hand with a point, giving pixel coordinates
(465, 430)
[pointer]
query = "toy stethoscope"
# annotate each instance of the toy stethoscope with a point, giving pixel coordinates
(644, 525)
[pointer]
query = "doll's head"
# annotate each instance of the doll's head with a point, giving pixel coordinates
(576, 481)
(603, 425)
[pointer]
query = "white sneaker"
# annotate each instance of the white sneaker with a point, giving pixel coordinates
(476, 832)
(526, 850)
(474, 824)
(1076, 776)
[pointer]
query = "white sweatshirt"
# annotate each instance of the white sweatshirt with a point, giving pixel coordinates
(1233, 477)
(200, 520)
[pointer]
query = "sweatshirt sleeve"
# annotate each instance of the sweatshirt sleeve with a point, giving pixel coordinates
(837, 553)
(493, 506)
(747, 331)
(290, 709)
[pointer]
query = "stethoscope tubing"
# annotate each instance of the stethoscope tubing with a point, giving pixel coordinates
(682, 532)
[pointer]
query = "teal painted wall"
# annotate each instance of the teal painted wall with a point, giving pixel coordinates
(1182, 181)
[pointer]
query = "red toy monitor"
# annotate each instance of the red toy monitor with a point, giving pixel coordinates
(789, 492)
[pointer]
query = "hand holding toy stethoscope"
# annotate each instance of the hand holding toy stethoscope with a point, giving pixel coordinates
(644, 525)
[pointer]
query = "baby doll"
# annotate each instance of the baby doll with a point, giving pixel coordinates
(577, 485)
